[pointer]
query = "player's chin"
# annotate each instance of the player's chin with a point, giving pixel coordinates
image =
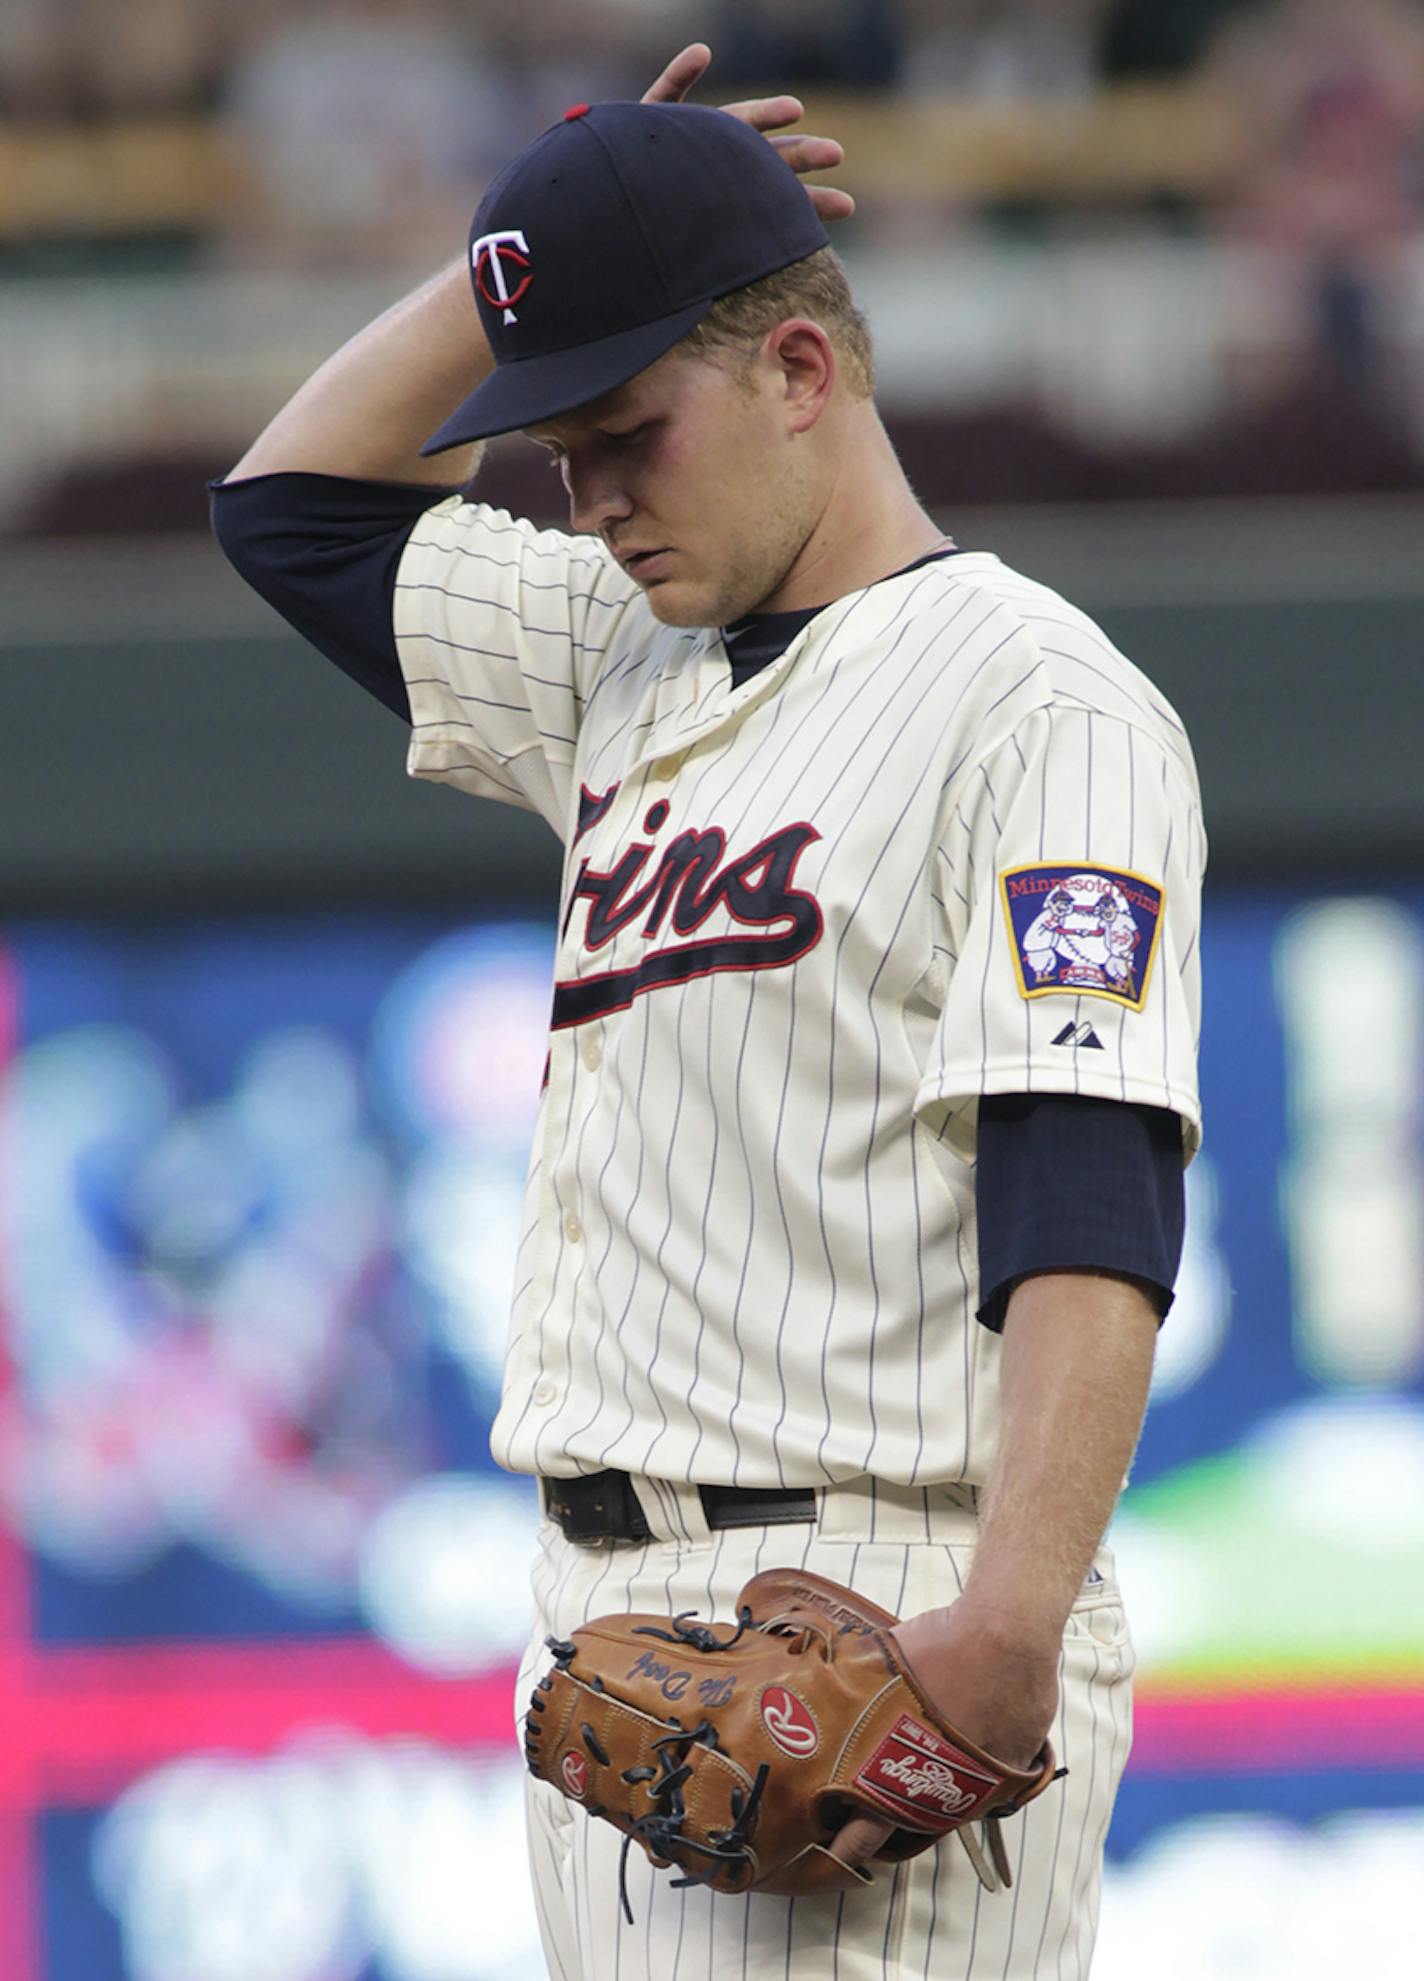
(677, 602)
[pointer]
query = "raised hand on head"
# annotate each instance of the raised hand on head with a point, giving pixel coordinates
(768, 114)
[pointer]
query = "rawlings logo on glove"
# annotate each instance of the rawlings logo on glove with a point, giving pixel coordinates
(807, 1714)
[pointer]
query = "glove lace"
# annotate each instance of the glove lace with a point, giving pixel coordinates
(661, 1829)
(700, 1636)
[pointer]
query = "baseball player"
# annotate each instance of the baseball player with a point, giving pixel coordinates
(856, 1196)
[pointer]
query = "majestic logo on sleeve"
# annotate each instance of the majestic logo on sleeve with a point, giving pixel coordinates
(502, 271)
(678, 891)
(1090, 930)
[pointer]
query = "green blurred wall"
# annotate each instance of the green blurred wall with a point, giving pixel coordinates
(165, 742)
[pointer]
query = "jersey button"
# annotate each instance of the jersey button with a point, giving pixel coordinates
(545, 1391)
(592, 1052)
(573, 1230)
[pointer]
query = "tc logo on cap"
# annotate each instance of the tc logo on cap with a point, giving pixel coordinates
(497, 258)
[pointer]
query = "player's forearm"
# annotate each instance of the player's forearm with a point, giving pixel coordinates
(367, 411)
(1077, 1362)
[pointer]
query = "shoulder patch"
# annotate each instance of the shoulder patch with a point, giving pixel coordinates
(1091, 931)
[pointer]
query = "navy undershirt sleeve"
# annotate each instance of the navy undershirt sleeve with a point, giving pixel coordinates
(324, 551)
(1068, 1183)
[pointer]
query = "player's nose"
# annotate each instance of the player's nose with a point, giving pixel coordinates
(597, 501)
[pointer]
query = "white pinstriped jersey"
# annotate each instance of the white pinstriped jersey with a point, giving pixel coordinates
(948, 844)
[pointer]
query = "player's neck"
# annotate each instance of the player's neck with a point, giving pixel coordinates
(870, 525)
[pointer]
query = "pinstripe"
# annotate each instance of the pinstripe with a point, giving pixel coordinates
(869, 1212)
(899, 1603)
(961, 1470)
(463, 722)
(637, 1262)
(500, 784)
(1117, 1757)
(974, 1931)
(1154, 714)
(476, 652)
(1008, 695)
(690, 1473)
(450, 547)
(1043, 794)
(735, 1317)
(899, 1872)
(562, 1578)
(531, 1225)
(1132, 867)
(657, 655)
(587, 1939)
(547, 1434)
(559, 633)
(1088, 792)
(681, 1926)
(633, 724)
(990, 949)
(1071, 1921)
(1017, 1893)
(599, 1192)
(549, 681)
(938, 1858)
(836, 1936)
(920, 1314)
(549, 1303)
(645, 1463)
(851, 754)
(790, 1249)
(1051, 1869)
(1166, 1006)
(533, 543)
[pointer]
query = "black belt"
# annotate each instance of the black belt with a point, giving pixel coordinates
(602, 1506)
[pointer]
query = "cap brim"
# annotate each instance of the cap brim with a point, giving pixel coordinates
(527, 390)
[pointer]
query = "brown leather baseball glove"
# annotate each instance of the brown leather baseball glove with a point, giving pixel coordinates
(737, 1755)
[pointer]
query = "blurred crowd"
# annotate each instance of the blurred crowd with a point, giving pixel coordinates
(85, 59)
(356, 121)
(229, 136)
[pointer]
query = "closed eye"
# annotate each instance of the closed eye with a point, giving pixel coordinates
(627, 436)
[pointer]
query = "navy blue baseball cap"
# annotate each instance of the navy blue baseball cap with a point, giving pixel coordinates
(606, 240)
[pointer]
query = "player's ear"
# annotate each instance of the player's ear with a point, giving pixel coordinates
(806, 362)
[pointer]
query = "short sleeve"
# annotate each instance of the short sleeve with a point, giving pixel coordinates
(502, 630)
(1068, 902)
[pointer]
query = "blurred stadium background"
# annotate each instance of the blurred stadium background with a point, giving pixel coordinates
(1147, 278)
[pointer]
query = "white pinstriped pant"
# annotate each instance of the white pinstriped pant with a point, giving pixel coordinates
(909, 1550)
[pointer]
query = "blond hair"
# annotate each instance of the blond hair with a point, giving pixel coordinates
(816, 288)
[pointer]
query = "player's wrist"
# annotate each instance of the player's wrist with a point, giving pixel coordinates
(1012, 1625)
